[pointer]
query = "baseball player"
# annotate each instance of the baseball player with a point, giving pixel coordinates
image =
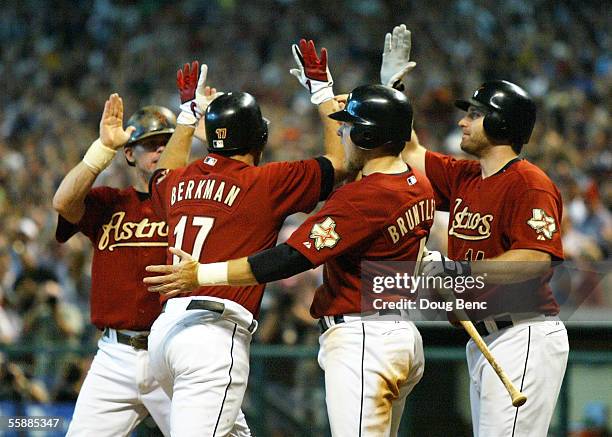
(505, 215)
(372, 358)
(219, 207)
(119, 390)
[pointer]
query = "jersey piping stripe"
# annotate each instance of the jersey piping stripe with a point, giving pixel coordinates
(522, 379)
(230, 380)
(362, 359)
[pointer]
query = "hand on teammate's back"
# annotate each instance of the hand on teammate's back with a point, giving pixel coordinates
(173, 280)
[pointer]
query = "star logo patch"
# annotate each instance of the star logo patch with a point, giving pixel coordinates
(543, 224)
(324, 234)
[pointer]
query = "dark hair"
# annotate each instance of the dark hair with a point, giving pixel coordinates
(517, 148)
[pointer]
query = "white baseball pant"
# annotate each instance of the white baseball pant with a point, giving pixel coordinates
(201, 359)
(370, 368)
(119, 391)
(534, 354)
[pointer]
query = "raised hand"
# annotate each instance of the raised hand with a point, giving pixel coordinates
(396, 62)
(195, 95)
(112, 133)
(313, 71)
(200, 132)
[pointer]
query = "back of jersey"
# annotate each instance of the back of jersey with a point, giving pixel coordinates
(220, 208)
(379, 218)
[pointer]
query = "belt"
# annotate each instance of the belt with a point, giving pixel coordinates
(214, 306)
(138, 341)
(494, 324)
(327, 322)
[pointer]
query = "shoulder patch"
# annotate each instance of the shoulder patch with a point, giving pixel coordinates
(543, 224)
(324, 234)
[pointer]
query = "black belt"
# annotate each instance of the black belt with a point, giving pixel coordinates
(139, 341)
(211, 305)
(482, 329)
(324, 325)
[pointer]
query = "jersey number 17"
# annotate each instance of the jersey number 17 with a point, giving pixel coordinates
(204, 223)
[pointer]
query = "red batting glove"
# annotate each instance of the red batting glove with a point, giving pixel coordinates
(313, 72)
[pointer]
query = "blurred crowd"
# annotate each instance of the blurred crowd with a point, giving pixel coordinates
(61, 59)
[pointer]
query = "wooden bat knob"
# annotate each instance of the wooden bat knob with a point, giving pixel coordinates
(518, 399)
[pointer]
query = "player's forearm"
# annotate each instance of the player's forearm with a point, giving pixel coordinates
(234, 272)
(279, 262)
(69, 199)
(334, 151)
(176, 153)
(513, 266)
(414, 153)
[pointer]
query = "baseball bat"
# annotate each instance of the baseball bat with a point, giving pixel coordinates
(517, 397)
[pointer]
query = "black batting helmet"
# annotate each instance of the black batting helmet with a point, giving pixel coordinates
(234, 124)
(510, 112)
(379, 115)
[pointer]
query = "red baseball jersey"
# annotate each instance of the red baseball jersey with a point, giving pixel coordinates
(127, 236)
(382, 217)
(519, 207)
(218, 208)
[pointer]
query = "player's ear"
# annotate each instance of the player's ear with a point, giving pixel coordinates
(129, 156)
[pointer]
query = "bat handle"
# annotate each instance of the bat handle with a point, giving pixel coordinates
(518, 398)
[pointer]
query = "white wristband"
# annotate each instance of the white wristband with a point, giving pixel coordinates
(213, 274)
(98, 156)
(187, 119)
(322, 95)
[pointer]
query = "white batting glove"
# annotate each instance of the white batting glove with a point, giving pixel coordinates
(436, 264)
(191, 83)
(396, 62)
(313, 72)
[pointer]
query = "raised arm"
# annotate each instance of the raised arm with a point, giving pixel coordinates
(313, 73)
(414, 153)
(69, 199)
(396, 65)
(195, 97)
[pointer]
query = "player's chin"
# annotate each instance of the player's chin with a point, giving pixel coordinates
(467, 146)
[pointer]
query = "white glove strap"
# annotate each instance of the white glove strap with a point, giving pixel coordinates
(322, 95)
(212, 274)
(187, 119)
(98, 156)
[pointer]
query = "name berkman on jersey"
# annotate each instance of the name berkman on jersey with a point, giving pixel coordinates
(411, 218)
(472, 221)
(204, 189)
(118, 230)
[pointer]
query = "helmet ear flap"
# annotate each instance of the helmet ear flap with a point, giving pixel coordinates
(495, 126)
(366, 137)
(360, 136)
